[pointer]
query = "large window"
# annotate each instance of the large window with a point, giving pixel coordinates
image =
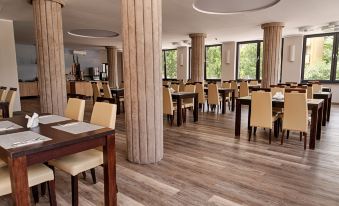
(169, 65)
(213, 62)
(249, 60)
(320, 57)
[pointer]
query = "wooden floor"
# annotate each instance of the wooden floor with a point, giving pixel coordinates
(205, 165)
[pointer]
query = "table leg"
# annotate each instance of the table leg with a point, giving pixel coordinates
(237, 119)
(196, 108)
(179, 112)
(249, 117)
(118, 104)
(223, 95)
(320, 119)
(19, 181)
(110, 186)
(329, 108)
(5, 111)
(233, 100)
(314, 122)
(325, 111)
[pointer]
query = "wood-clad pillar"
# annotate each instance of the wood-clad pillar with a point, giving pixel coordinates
(198, 56)
(112, 59)
(50, 55)
(142, 31)
(272, 53)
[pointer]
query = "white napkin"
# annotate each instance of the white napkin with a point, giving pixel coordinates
(278, 95)
(172, 90)
(32, 121)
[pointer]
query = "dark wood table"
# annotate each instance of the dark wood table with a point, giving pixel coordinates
(62, 144)
(327, 97)
(4, 106)
(315, 105)
(224, 92)
(179, 96)
(117, 93)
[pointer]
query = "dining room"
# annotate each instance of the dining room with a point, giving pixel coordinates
(169, 102)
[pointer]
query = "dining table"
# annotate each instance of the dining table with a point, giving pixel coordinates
(224, 92)
(61, 143)
(118, 93)
(179, 97)
(314, 105)
(4, 106)
(327, 97)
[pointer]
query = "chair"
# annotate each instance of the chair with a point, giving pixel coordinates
(234, 85)
(189, 103)
(199, 88)
(75, 109)
(37, 174)
(107, 90)
(261, 112)
(244, 89)
(3, 93)
(295, 116)
(226, 85)
(213, 98)
(10, 98)
(310, 92)
(175, 87)
(317, 88)
(168, 107)
(96, 91)
(104, 114)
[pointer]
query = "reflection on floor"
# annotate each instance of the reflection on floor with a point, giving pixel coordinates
(205, 165)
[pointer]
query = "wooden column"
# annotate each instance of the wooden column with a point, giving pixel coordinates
(112, 58)
(272, 53)
(50, 55)
(198, 56)
(142, 31)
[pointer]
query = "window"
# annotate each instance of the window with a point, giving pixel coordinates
(213, 62)
(320, 57)
(249, 60)
(169, 66)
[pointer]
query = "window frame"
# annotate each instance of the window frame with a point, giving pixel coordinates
(165, 67)
(334, 63)
(205, 62)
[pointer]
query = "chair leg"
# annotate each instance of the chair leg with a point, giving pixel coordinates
(75, 200)
(35, 193)
(51, 192)
(288, 134)
(270, 137)
(305, 140)
(301, 136)
(94, 178)
(84, 175)
(282, 137)
(249, 134)
(255, 131)
(171, 118)
(43, 189)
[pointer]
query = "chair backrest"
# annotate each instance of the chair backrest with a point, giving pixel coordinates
(261, 109)
(317, 88)
(309, 92)
(275, 90)
(175, 87)
(189, 88)
(244, 89)
(10, 98)
(104, 114)
(295, 90)
(234, 85)
(96, 91)
(75, 109)
(213, 94)
(167, 101)
(199, 88)
(295, 112)
(3, 93)
(107, 90)
(226, 85)
(253, 82)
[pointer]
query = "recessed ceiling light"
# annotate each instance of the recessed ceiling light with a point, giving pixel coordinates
(223, 7)
(93, 33)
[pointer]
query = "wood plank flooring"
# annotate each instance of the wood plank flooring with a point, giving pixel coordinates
(205, 165)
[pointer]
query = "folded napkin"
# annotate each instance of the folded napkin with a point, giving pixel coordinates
(32, 121)
(278, 95)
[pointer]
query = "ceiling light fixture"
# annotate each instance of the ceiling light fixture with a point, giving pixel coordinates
(224, 7)
(331, 27)
(93, 33)
(305, 29)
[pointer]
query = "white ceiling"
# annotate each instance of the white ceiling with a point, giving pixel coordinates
(179, 19)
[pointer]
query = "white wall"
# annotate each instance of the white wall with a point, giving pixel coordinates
(8, 65)
(228, 69)
(182, 57)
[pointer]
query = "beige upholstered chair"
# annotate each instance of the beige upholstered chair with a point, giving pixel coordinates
(10, 97)
(234, 85)
(107, 90)
(37, 174)
(3, 93)
(189, 103)
(226, 85)
(104, 114)
(168, 108)
(199, 88)
(261, 112)
(317, 88)
(175, 87)
(295, 116)
(244, 89)
(75, 109)
(2, 163)
(96, 91)
(213, 98)
(309, 92)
